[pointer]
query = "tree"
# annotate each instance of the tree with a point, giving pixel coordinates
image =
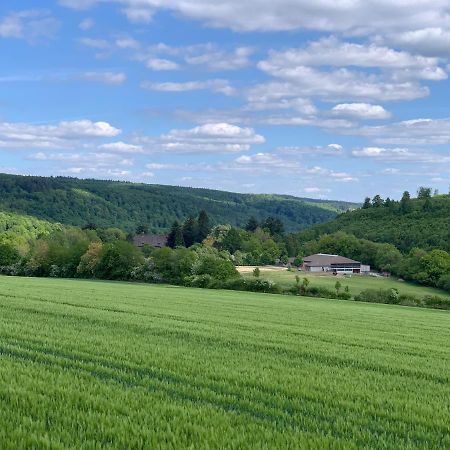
(117, 261)
(190, 232)
(377, 201)
(273, 225)
(175, 238)
(405, 203)
(204, 226)
(8, 254)
(142, 229)
(256, 272)
(252, 224)
(367, 203)
(338, 286)
(232, 241)
(424, 192)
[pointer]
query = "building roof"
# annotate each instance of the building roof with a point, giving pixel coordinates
(154, 240)
(324, 260)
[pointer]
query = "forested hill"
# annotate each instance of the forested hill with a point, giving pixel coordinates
(421, 222)
(125, 205)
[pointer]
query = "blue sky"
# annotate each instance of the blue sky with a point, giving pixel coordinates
(322, 99)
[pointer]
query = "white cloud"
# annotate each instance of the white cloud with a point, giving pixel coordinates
(62, 135)
(139, 13)
(127, 43)
(220, 86)
(161, 64)
(100, 159)
(214, 58)
(431, 41)
(333, 52)
(361, 111)
(121, 147)
(209, 56)
(31, 25)
(211, 138)
(409, 132)
(98, 44)
(401, 155)
(327, 150)
(356, 17)
(105, 77)
(336, 85)
(86, 24)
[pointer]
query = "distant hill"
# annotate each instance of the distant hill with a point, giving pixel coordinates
(426, 225)
(125, 205)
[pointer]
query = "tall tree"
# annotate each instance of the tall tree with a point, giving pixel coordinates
(190, 231)
(424, 192)
(377, 201)
(204, 226)
(273, 225)
(405, 203)
(252, 224)
(367, 203)
(175, 238)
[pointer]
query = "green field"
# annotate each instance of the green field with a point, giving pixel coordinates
(89, 365)
(356, 283)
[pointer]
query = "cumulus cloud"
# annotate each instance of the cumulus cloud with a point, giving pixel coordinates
(431, 41)
(210, 56)
(361, 111)
(327, 150)
(105, 77)
(336, 85)
(64, 134)
(356, 17)
(208, 138)
(121, 147)
(161, 64)
(409, 132)
(86, 24)
(401, 155)
(217, 85)
(31, 25)
(333, 52)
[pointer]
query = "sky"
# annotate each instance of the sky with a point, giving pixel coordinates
(338, 99)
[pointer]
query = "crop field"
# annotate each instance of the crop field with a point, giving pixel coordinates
(356, 283)
(90, 365)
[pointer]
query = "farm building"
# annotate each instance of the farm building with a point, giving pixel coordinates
(153, 240)
(322, 262)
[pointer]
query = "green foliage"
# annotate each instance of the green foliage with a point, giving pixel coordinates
(129, 205)
(392, 296)
(256, 272)
(423, 223)
(117, 261)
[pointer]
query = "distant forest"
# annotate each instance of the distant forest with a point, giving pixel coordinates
(422, 222)
(127, 205)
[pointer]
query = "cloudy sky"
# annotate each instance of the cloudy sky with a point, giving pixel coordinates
(326, 98)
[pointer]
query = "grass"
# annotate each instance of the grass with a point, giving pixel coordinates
(356, 283)
(92, 365)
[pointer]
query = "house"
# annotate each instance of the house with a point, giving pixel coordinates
(323, 262)
(153, 240)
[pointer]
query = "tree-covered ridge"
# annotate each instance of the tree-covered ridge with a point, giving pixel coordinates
(125, 205)
(422, 222)
(14, 226)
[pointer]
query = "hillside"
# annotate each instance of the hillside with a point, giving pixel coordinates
(426, 224)
(77, 202)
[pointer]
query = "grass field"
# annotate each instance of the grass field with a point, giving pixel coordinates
(356, 283)
(89, 365)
